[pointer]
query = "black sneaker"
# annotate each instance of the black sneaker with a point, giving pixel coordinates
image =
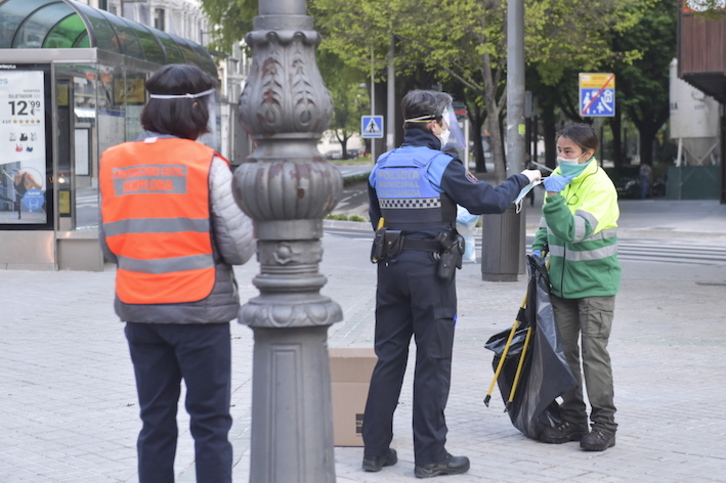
(563, 433)
(451, 465)
(598, 440)
(376, 463)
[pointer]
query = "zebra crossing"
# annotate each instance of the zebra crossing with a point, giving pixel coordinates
(642, 250)
(654, 250)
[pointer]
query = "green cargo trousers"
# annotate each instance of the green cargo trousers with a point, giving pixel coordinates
(589, 319)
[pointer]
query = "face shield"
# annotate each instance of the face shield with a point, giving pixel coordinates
(456, 144)
(209, 97)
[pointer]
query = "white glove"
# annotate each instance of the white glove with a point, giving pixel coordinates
(533, 175)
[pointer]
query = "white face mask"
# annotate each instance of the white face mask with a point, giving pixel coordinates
(569, 161)
(444, 137)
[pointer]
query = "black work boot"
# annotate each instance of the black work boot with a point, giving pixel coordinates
(376, 463)
(563, 433)
(598, 440)
(451, 465)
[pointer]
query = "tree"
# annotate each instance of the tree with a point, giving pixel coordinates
(464, 41)
(350, 98)
(643, 83)
(231, 20)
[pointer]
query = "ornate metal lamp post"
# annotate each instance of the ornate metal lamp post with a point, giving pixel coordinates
(287, 188)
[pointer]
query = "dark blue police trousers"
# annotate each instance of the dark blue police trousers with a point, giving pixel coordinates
(411, 301)
(163, 355)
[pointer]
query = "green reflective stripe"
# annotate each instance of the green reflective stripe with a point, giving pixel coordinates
(156, 225)
(166, 265)
(584, 255)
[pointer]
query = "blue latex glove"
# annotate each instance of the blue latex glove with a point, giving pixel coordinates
(556, 182)
(537, 255)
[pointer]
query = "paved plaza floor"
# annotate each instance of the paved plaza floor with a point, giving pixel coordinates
(68, 409)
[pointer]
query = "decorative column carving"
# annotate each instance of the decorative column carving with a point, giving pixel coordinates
(287, 187)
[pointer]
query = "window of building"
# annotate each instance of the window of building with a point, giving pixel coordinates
(159, 22)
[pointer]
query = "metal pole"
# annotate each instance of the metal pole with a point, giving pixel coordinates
(515, 87)
(373, 107)
(391, 95)
(287, 188)
(503, 247)
(515, 121)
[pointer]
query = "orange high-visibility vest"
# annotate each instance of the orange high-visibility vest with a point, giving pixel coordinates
(156, 218)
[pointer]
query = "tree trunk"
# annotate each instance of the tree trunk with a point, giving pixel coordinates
(549, 131)
(647, 136)
(490, 100)
(616, 129)
(477, 121)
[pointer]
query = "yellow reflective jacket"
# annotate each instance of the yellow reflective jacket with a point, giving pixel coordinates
(579, 232)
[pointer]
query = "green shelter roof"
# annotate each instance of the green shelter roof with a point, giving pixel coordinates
(66, 24)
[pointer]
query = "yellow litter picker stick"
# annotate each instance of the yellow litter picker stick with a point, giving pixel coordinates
(519, 370)
(503, 356)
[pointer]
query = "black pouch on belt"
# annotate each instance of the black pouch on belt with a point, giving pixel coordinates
(378, 250)
(394, 243)
(387, 244)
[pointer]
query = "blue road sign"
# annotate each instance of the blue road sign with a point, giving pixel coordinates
(597, 95)
(371, 126)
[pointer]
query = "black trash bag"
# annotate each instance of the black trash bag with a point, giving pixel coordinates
(545, 374)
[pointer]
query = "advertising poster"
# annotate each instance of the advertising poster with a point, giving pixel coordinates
(22, 147)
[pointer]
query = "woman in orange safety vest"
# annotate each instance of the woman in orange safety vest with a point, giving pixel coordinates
(169, 222)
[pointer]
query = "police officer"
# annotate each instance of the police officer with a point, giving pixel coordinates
(170, 223)
(413, 194)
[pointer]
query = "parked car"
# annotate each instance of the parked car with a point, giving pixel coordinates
(336, 154)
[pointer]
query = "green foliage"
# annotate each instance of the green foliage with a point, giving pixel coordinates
(232, 19)
(347, 90)
(345, 218)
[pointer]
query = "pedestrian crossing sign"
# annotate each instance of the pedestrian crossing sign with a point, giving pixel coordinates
(371, 126)
(597, 95)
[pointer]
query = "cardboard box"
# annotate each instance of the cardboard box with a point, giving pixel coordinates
(350, 376)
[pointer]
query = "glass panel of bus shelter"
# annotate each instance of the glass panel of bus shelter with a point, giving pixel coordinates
(93, 119)
(12, 14)
(83, 41)
(205, 60)
(190, 56)
(103, 34)
(67, 33)
(129, 42)
(173, 51)
(153, 50)
(37, 25)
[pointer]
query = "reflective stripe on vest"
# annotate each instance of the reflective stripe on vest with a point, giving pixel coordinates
(156, 220)
(155, 225)
(594, 254)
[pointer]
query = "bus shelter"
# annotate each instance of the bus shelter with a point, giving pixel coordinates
(71, 85)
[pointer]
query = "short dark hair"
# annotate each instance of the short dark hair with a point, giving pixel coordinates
(183, 117)
(583, 135)
(423, 104)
